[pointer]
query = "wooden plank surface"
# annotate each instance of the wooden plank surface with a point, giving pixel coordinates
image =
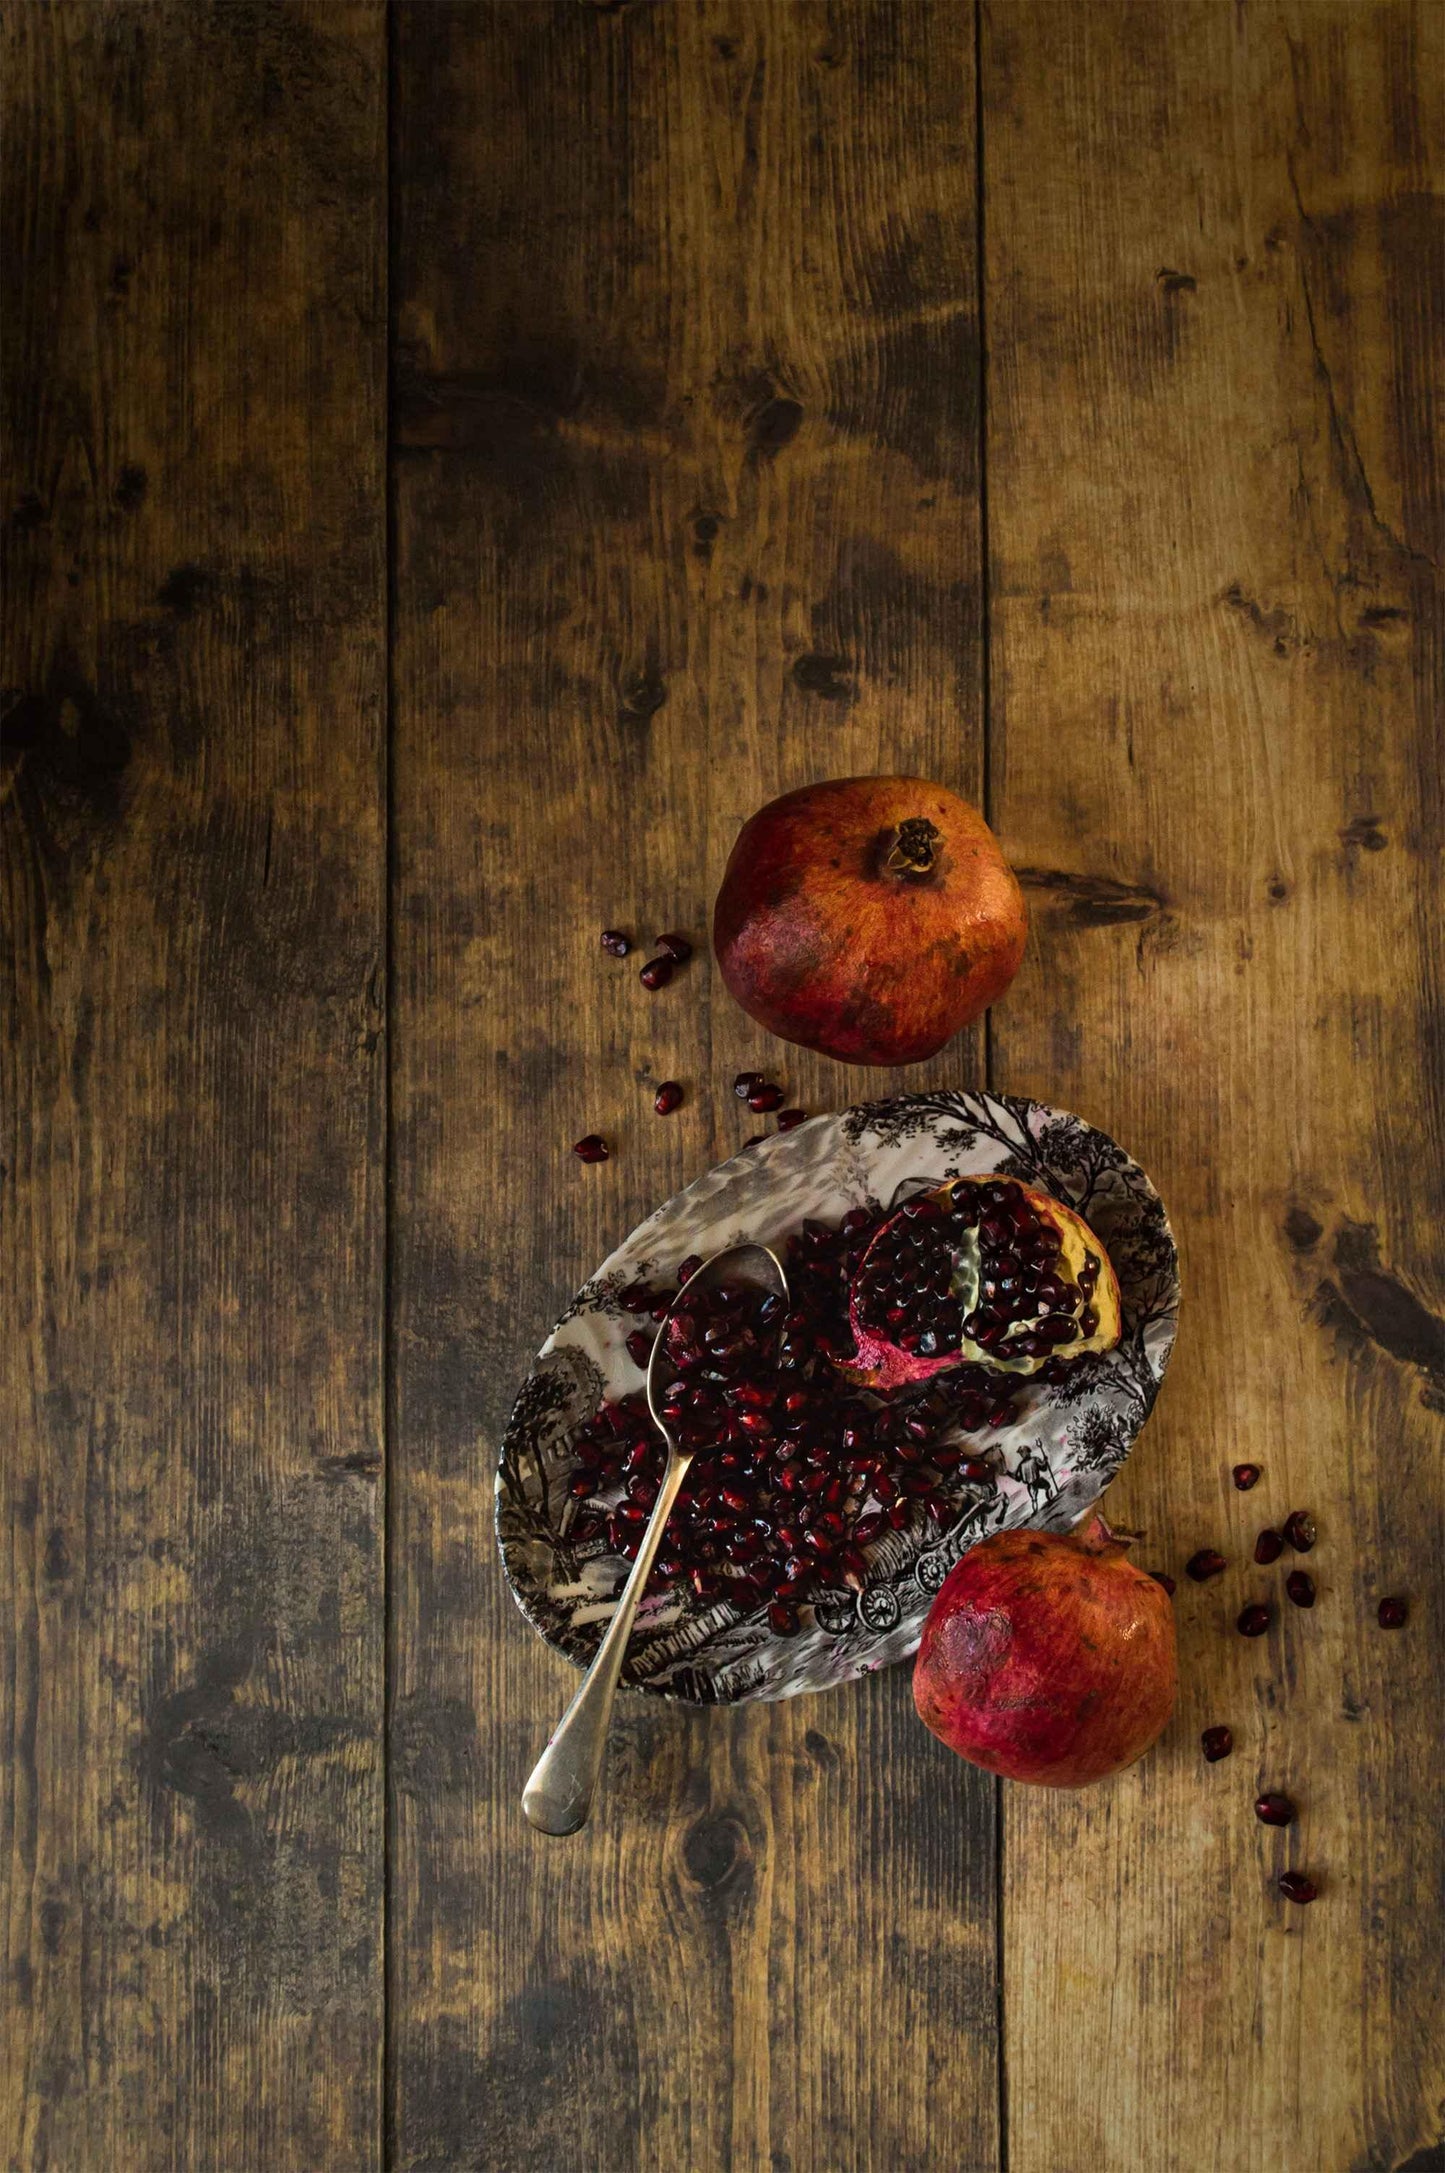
(190, 1649)
(1214, 328)
(687, 513)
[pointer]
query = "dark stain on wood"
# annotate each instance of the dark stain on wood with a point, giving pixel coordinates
(1363, 833)
(1094, 901)
(1302, 1230)
(1273, 623)
(827, 676)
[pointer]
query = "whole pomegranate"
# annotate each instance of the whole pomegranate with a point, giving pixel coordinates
(1048, 1657)
(868, 918)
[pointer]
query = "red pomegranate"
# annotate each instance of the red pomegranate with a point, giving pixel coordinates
(868, 918)
(984, 1271)
(1048, 1657)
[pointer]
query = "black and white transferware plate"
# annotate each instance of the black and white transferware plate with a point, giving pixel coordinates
(1058, 1455)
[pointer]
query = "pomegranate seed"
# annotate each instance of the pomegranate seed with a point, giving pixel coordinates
(615, 943)
(667, 1098)
(591, 1149)
(783, 1619)
(1299, 1530)
(657, 973)
(764, 1098)
(689, 1267)
(675, 947)
(1393, 1614)
(1246, 1476)
(1216, 1743)
(1296, 1887)
(1300, 1586)
(1269, 1546)
(1273, 1809)
(790, 1119)
(745, 1083)
(1204, 1565)
(1253, 1620)
(639, 1348)
(1161, 1577)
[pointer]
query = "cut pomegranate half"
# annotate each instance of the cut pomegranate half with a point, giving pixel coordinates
(984, 1271)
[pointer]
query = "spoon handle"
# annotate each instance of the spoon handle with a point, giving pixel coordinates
(559, 1794)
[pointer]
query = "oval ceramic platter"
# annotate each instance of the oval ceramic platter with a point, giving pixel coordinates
(1056, 1458)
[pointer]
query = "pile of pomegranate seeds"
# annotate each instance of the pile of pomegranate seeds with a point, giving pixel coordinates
(591, 1149)
(1216, 1743)
(797, 1474)
(1246, 1476)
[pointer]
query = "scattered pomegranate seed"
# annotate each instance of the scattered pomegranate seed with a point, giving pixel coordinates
(1216, 1743)
(1296, 1887)
(615, 943)
(758, 1139)
(1204, 1565)
(667, 1098)
(1273, 1809)
(1269, 1546)
(657, 973)
(764, 1098)
(1253, 1620)
(1299, 1530)
(1393, 1614)
(591, 1149)
(745, 1082)
(1162, 1576)
(790, 1119)
(1300, 1586)
(677, 948)
(688, 1268)
(639, 1348)
(1246, 1476)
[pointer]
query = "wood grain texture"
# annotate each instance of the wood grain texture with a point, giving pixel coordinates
(687, 514)
(194, 900)
(1214, 327)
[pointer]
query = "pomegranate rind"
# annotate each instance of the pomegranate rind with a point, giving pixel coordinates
(882, 1364)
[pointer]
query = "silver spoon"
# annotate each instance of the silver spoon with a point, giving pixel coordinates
(558, 1797)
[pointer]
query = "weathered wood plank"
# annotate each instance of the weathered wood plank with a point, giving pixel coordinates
(1214, 312)
(687, 514)
(194, 901)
